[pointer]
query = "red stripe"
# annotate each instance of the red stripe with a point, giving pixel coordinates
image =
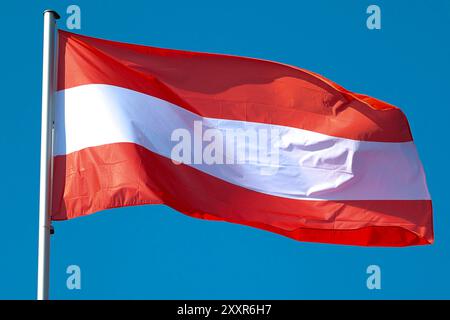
(230, 87)
(125, 174)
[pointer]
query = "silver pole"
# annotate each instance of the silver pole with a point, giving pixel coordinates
(48, 89)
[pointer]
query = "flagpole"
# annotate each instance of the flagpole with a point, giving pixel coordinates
(48, 89)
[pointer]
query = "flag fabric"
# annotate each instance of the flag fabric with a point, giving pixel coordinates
(234, 139)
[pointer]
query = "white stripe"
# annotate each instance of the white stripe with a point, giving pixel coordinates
(311, 165)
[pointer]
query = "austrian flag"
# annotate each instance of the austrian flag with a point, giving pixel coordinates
(233, 139)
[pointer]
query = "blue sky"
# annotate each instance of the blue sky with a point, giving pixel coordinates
(154, 252)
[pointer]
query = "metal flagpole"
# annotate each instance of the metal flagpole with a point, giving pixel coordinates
(48, 89)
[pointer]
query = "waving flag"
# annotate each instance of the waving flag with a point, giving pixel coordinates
(235, 139)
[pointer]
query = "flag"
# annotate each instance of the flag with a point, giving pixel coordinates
(234, 139)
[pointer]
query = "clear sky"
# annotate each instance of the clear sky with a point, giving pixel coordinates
(155, 252)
